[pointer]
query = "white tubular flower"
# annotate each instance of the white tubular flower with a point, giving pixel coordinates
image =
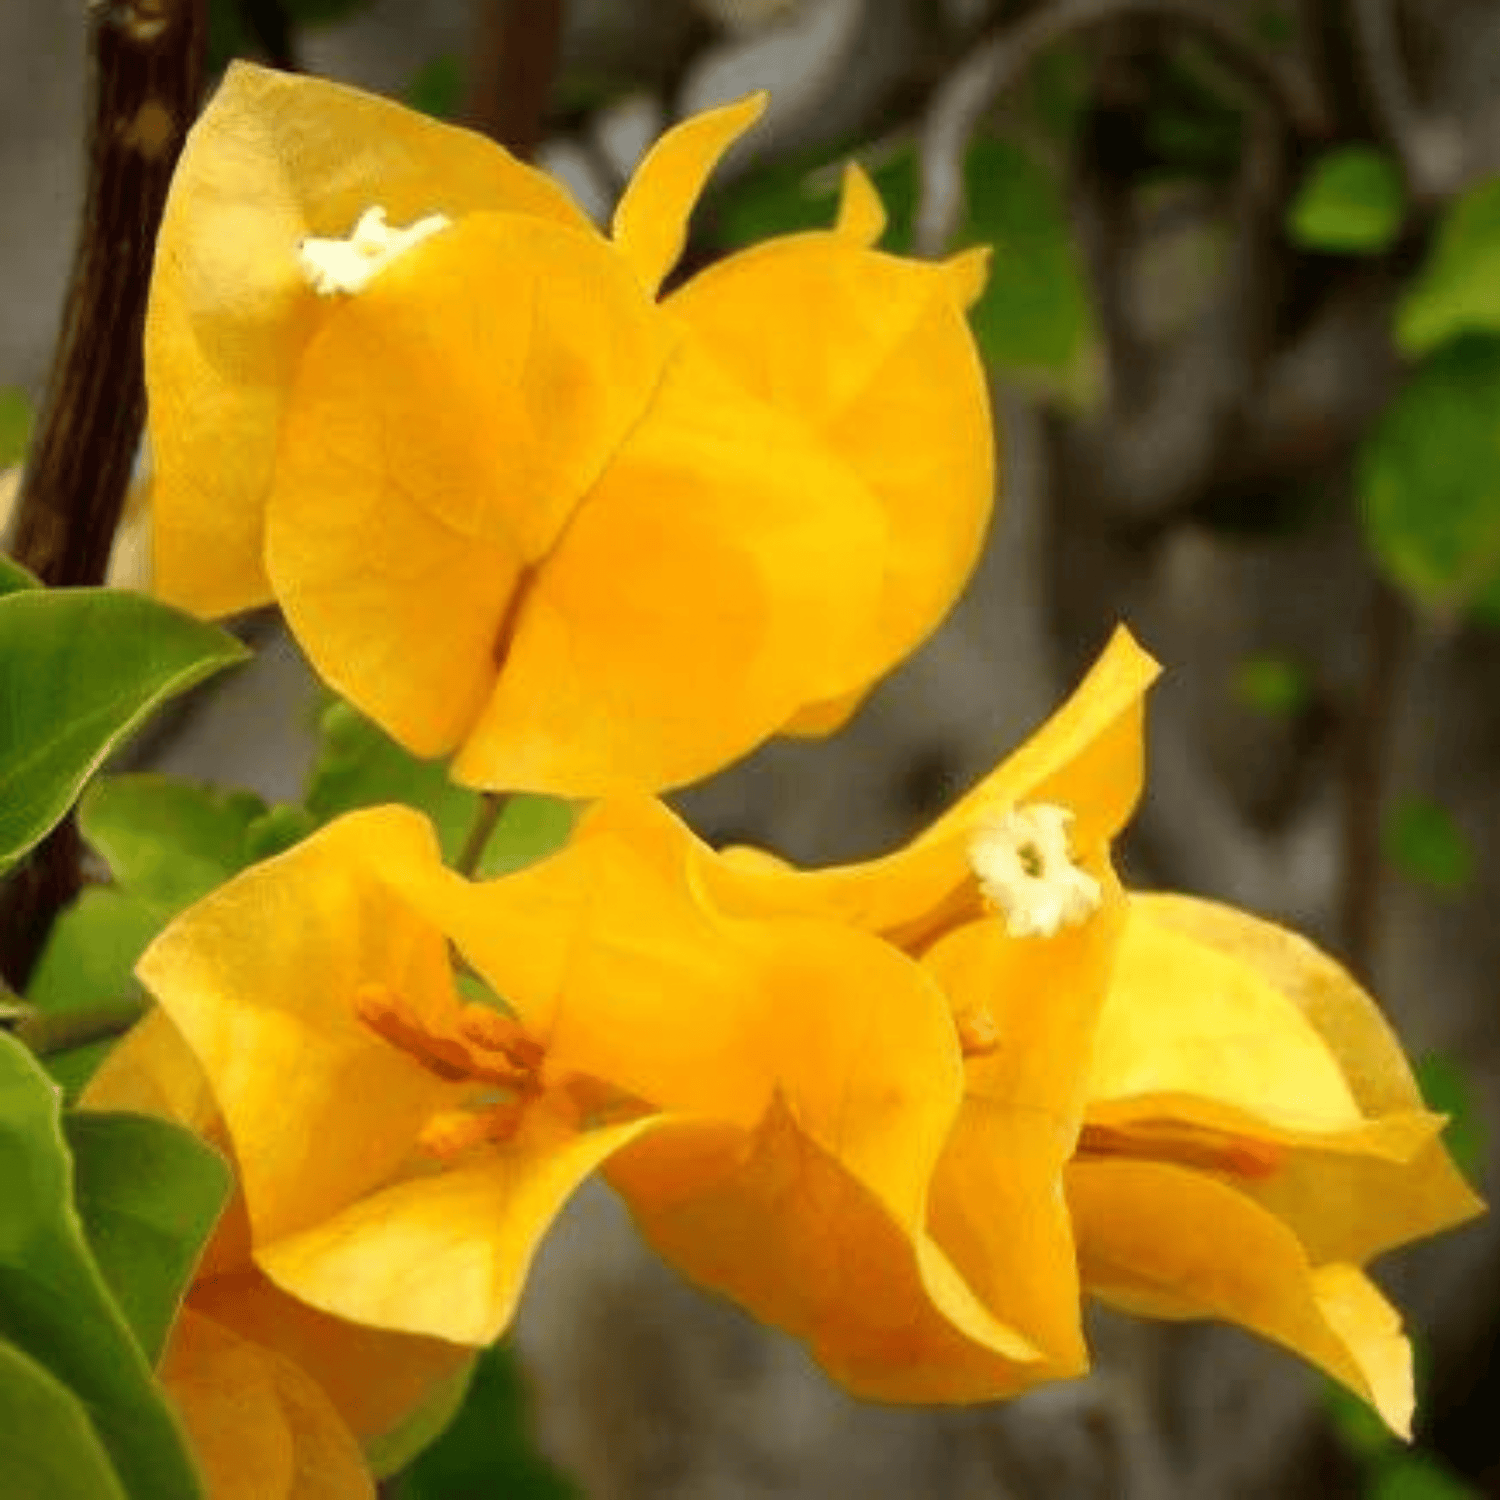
(1026, 871)
(348, 265)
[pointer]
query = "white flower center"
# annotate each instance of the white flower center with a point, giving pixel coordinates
(1021, 858)
(347, 265)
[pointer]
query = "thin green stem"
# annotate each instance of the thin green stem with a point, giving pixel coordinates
(491, 806)
(46, 1032)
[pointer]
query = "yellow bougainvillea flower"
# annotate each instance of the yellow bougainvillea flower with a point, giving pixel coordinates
(514, 503)
(404, 1142)
(1253, 1135)
(1168, 1105)
(277, 1397)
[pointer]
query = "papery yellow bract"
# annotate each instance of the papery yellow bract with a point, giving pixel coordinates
(403, 1150)
(1168, 1105)
(514, 505)
(276, 1396)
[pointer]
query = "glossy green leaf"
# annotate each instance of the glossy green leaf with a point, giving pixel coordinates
(13, 577)
(54, 1304)
(1458, 290)
(92, 949)
(361, 766)
(49, 1450)
(166, 839)
(1272, 685)
(149, 1194)
(1448, 1089)
(79, 669)
(15, 425)
(488, 1449)
(1352, 202)
(1429, 481)
(1428, 847)
(1034, 320)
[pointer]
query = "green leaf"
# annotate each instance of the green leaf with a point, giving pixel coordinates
(488, 1449)
(360, 766)
(1272, 685)
(149, 1194)
(54, 1304)
(1429, 481)
(88, 963)
(50, 1451)
(92, 949)
(168, 842)
(165, 839)
(14, 578)
(1449, 1091)
(16, 418)
(1034, 319)
(1352, 202)
(79, 669)
(1458, 289)
(1428, 847)
(1415, 1476)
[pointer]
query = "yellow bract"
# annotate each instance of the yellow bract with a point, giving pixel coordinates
(861, 1101)
(276, 1397)
(513, 505)
(1168, 1105)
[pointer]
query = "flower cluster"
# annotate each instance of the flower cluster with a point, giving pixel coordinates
(513, 502)
(597, 541)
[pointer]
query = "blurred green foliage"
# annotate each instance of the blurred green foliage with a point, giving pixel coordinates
(1447, 1089)
(1351, 202)
(1424, 843)
(1458, 289)
(1034, 321)
(488, 1449)
(1275, 686)
(437, 89)
(1429, 481)
(16, 417)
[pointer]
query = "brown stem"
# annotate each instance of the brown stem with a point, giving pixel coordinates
(1367, 752)
(516, 47)
(146, 65)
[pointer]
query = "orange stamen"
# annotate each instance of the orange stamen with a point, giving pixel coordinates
(454, 1132)
(389, 1017)
(494, 1051)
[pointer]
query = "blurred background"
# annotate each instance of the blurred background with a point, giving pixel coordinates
(1244, 335)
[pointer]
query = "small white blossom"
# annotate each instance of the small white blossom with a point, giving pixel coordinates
(1025, 869)
(347, 265)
